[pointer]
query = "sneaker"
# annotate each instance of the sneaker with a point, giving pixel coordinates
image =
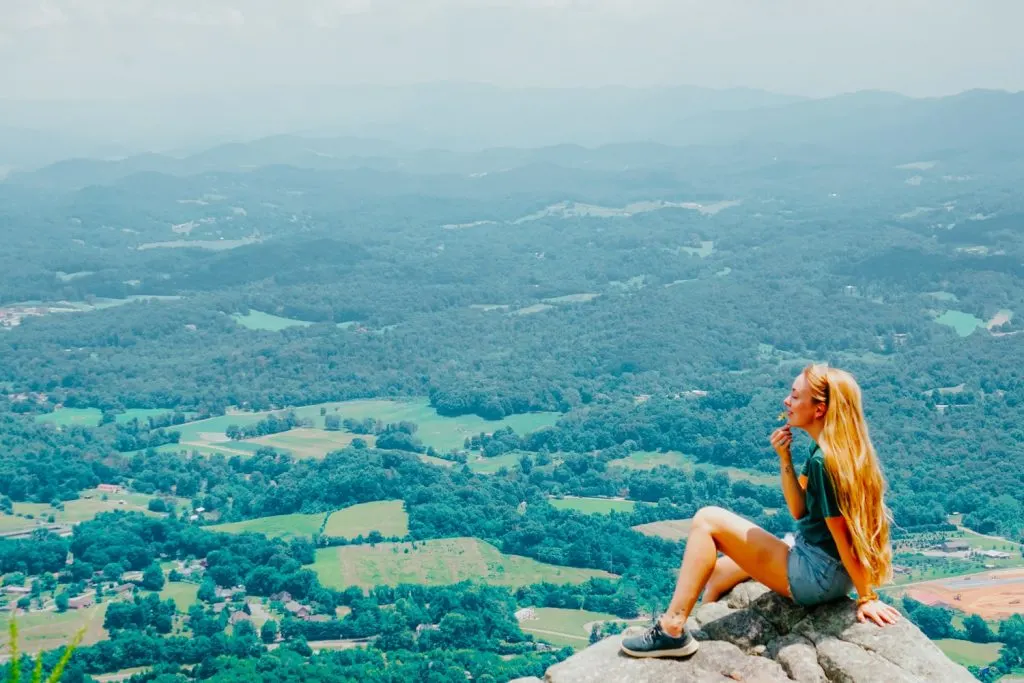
(654, 642)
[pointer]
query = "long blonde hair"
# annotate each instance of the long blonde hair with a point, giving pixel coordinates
(852, 465)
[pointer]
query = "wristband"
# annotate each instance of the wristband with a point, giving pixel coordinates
(867, 598)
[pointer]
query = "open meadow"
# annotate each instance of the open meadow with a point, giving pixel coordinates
(669, 529)
(562, 627)
(437, 562)
(442, 433)
(593, 506)
(49, 630)
(387, 517)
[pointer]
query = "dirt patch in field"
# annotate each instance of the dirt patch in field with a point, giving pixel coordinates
(992, 595)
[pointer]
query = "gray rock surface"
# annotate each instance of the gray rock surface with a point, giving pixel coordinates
(757, 636)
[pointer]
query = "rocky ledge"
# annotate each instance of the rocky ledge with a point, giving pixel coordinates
(757, 636)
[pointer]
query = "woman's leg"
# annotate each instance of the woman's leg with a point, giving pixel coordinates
(726, 576)
(755, 551)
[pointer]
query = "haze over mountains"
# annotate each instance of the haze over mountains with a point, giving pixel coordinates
(407, 122)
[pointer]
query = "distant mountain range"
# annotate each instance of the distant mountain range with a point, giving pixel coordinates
(607, 128)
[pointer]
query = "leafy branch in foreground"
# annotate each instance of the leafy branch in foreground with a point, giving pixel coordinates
(14, 675)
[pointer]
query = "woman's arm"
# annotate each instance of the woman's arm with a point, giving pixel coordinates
(868, 604)
(792, 488)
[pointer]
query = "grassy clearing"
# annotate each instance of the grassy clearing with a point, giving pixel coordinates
(49, 630)
(535, 308)
(564, 627)
(963, 323)
(122, 675)
(648, 460)
(183, 594)
(277, 526)
(492, 465)
(142, 414)
(966, 653)
(671, 529)
(572, 298)
(706, 248)
(227, 450)
(437, 563)
(72, 417)
(309, 443)
(212, 429)
(83, 509)
(388, 517)
(258, 320)
(442, 433)
(593, 506)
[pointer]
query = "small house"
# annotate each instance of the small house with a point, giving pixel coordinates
(298, 610)
(82, 601)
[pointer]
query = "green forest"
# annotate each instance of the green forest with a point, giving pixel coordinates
(209, 343)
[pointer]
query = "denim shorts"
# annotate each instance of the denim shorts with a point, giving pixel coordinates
(814, 575)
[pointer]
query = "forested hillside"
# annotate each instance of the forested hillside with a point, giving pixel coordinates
(537, 355)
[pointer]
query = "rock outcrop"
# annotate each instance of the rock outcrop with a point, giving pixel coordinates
(757, 636)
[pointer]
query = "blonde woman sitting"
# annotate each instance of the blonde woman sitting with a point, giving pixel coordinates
(842, 542)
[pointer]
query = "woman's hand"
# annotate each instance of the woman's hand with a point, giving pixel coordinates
(878, 612)
(782, 439)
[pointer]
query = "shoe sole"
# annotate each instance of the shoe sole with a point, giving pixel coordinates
(686, 651)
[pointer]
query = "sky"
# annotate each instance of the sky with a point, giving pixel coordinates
(99, 49)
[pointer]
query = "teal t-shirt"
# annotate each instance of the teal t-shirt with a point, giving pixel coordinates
(821, 503)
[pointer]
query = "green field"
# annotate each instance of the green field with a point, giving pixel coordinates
(68, 417)
(83, 509)
(572, 298)
(212, 428)
(593, 506)
(964, 323)
(564, 627)
(277, 526)
(388, 517)
(306, 443)
(49, 630)
(142, 414)
(437, 563)
(258, 320)
(442, 433)
(705, 249)
(669, 529)
(966, 653)
(183, 594)
(648, 460)
(492, 465)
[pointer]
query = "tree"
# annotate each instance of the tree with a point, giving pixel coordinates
(977, 630)
(268, 634)
(157, 505)
(153, 578)
(61, 602)
(113, 572)
(207, 591)
(332, 423)
(300, 646)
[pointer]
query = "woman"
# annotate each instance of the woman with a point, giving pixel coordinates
(842, 540)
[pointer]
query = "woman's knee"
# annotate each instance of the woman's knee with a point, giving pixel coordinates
(710, 517)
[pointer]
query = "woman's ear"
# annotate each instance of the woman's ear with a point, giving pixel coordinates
(819, 411)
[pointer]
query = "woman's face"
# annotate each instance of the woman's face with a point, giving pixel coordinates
(801, 408)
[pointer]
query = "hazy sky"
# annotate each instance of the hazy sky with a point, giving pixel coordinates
(74, 48)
